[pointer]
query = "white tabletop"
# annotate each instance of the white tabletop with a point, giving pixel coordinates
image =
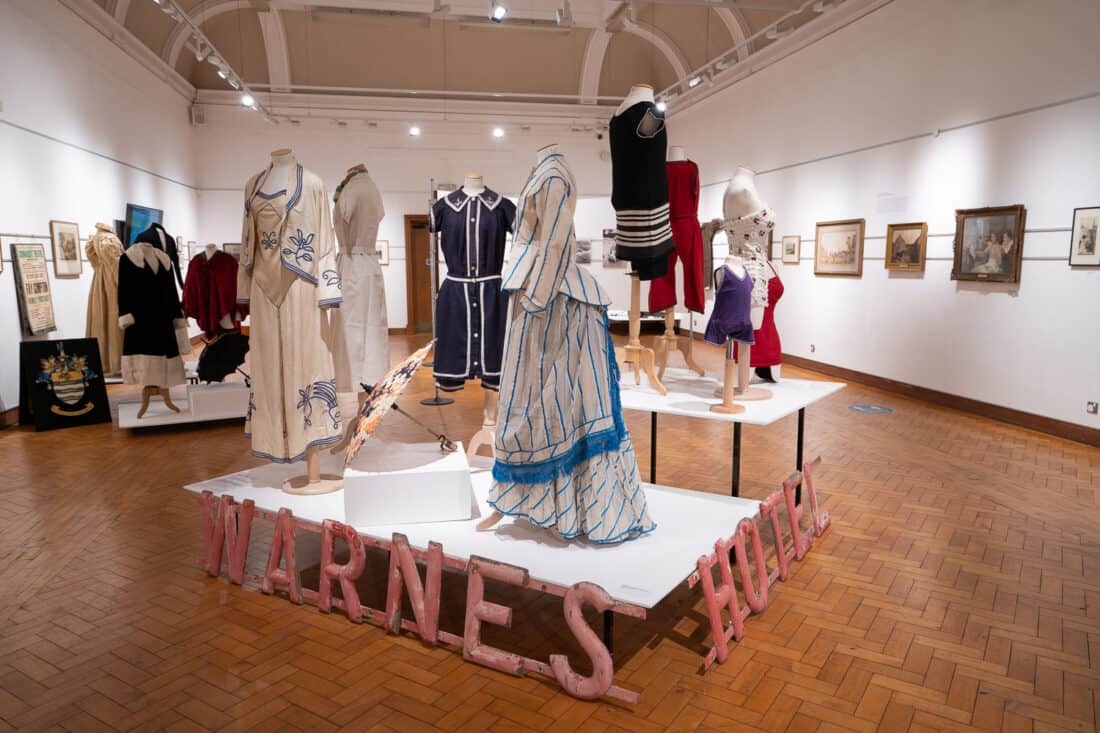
(690, 395)
(641, 572)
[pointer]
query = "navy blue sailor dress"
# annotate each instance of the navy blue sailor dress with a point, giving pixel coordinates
(471, 311)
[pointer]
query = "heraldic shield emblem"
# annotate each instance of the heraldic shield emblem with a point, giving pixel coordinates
(62, 384)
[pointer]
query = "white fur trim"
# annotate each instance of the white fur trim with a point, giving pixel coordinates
(126, 321)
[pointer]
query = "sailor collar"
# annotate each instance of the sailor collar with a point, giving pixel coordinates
(143, 254)
(457, 199)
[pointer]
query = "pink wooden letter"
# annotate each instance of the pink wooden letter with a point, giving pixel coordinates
(424, 600)
(716, 599)
(770, 509)
(603, 670)
(347, 574)
(757, 600)
(234, 520)
(282, 549)
(820, 519)
(478, 609)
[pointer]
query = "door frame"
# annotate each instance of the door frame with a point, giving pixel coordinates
(410, 260)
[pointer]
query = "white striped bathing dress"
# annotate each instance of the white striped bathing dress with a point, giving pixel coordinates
(563, 454)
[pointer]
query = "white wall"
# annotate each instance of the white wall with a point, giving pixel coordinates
(118, 134)
(913, 67)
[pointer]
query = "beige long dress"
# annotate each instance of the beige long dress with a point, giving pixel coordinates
(103, 250)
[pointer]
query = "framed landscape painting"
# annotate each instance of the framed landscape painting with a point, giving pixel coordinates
(1083, 250)
(65, 237)
(989, 244)
(905, 246)
(838, 248)
(791, 246)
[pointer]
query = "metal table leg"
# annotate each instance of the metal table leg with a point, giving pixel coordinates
(609, 631)
(653, 447)
(798, 455)
(735, 481)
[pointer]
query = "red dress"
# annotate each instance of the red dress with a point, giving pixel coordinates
(210, 292)
(767, 351)
(683, 203)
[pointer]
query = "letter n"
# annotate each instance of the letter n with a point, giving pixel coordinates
(424, 597)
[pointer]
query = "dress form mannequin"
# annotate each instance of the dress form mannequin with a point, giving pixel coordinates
(281, 160)
(742, 200)
(641, 358)
(149, 391)
(473, 184)
(669, 340)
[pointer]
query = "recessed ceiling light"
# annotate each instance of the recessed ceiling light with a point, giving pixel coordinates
(498, 132)
(414, 131)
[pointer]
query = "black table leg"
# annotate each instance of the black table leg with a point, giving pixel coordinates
(798, 455)
(735, 481)
(653, 447)
(609, 630)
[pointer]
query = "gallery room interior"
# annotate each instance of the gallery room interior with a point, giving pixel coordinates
(603, 365)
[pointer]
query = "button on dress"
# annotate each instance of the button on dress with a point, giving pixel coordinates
(471, 310)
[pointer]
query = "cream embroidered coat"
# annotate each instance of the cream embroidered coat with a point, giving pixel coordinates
(103, 250)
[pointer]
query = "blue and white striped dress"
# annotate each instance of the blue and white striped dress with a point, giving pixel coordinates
(563, 454)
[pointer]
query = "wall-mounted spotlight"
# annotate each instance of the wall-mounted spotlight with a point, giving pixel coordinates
(694, 82)
(414, 131)
(662, 105)
(564, 14)
(247, 100)
(233, 83)
(497, 11)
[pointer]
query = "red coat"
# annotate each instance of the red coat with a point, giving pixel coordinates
(767, 351)
(210, 292)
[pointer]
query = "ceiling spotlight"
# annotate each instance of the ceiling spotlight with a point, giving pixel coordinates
(498, 132)
(414, 131)
(497, 11)
(661, 106)
(247, 100)
(564, 14)
(821, 6)
(694, 82)
(233, 83)
(223, 73)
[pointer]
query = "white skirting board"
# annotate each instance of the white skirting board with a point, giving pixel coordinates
(204, 403)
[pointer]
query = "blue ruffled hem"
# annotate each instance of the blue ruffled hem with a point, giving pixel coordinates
(588, 447)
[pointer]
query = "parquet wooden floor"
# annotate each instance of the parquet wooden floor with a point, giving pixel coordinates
(957, 589)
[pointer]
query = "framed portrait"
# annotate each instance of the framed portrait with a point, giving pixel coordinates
(65, 237)
(906, 245)
(989, 244)
(791, 247)
(382, 248)
(138, 219)
(32, 288)
(838, 248)
(1083, 251)
(232, 248)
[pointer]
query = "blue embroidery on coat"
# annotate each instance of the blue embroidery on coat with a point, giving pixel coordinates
(268, 240)
(331, 278)
(303, 247)
(324, 391)
(251, 406)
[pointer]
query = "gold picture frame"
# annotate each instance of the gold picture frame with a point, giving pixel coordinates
(65, 242)
(989, 244)
(790, 248)
(906, 246)
(838, 248)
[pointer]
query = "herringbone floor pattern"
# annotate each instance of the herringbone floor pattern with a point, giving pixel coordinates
(957, 589)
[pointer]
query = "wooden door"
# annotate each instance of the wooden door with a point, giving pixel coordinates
(418, 274)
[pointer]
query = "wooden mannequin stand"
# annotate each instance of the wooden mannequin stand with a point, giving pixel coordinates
(487, 434)
(735, 384)
(147, 393)
(641, 358)
(669, 342)
(313, 482)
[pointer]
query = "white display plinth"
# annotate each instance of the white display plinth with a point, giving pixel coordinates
(407, 482)
(204, 403)
(641, 572)
(690, 395)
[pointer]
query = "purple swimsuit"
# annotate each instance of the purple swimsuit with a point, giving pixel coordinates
(731, 317)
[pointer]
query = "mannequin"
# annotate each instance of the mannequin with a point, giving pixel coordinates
(209, 250)
(669, 340)
(281, 161)
(747, 222)
(473, 184)
(641, 358)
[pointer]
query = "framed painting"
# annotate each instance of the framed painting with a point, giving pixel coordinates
(838, 248)
(138, 219)
(65, 238)
(1083, 251)
(989, 244)
(232, 248)
(906, 245)
(32, 288)
(791, 247)
(382, 247)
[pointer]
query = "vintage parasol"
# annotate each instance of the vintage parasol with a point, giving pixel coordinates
(222, 356)
(381, 399)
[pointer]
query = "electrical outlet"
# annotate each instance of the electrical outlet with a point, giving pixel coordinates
(812, 348)
(1091, 408)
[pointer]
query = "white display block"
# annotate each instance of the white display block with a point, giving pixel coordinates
(407, 482)
(204, 403)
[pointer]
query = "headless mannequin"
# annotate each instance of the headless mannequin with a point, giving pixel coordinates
(148, 390)
(670, 340)
(473, 184)
(741, 199)
(226, 322)
(641, 358)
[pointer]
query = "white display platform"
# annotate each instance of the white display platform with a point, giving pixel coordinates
(690, 395)
(204, 403)
(641, 572)
(407, 482)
